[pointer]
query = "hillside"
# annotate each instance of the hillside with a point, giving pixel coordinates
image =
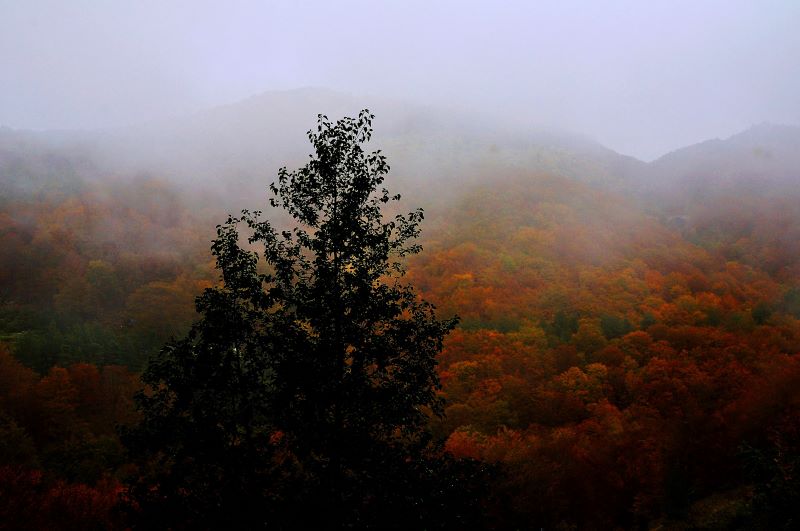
(737, 196)
(628, 348)
(603, 353)
(764, 155)
(229, 152)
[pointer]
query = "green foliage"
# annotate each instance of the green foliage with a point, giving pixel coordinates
(301, 397)
(66, 343)
(647, 321)
(614, 326)
(791, 302)
(563, 326)
(761, 312)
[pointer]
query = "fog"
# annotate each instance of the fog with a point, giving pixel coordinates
(610, 196)
(642, 79)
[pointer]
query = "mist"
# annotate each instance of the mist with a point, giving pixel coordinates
(574, 305)
(641, 78)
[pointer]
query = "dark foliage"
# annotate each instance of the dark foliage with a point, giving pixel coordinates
(302, 396)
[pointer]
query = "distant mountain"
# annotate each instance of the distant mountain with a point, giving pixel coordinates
(236, 149)
(737, 197)
(229, 153)
(762, 160)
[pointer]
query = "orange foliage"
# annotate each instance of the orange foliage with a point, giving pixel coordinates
(597, 426)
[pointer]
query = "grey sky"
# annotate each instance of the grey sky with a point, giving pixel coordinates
(643, 77)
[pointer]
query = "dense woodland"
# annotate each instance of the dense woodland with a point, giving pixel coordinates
(627, 355)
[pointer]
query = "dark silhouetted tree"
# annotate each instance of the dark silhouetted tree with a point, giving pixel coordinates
(302, 396)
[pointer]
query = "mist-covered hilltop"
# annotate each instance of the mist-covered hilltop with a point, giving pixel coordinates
(762, 160)
(235, 149)
(627, 354)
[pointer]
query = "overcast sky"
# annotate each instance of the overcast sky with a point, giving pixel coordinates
(642, 77)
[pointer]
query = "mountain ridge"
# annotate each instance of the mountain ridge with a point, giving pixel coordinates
(231, 150)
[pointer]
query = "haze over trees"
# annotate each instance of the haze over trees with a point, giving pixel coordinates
(598, 328)
(627, 352)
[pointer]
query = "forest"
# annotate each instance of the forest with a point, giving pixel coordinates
(627, 354)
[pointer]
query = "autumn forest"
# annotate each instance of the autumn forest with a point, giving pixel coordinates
(627, 353)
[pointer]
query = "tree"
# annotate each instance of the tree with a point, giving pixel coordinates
(302, 395)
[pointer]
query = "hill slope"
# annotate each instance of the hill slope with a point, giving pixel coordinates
(628, 350)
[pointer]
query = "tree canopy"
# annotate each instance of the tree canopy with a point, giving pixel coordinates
(302, 395)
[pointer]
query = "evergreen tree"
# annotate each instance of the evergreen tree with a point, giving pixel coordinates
(302, 396)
